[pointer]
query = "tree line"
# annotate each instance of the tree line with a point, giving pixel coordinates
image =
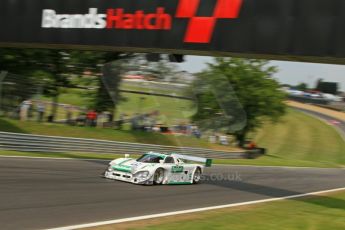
(232, 95)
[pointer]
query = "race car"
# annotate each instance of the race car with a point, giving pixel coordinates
(155, 168)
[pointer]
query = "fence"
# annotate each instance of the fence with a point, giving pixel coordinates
(39, 143)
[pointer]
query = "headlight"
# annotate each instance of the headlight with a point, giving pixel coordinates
(142, 175)
(110, 168)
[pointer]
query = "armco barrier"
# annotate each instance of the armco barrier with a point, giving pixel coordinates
(39, 143)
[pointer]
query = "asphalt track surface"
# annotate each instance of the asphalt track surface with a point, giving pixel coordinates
(47, 193)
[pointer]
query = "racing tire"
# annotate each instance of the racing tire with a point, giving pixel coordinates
(158, 176)
(197, 176)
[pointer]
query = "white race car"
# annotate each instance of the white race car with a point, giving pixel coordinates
(155, 168)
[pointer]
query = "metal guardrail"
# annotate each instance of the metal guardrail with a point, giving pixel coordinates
(39, 143)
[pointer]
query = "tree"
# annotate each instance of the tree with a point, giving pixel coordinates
(47, 69)
(163, 70)
(301, 86)
(237, 96)
(160, 70)
(54, 69)
(108, 93)
(18, 81)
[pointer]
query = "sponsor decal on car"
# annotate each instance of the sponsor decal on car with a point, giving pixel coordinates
(177, 169)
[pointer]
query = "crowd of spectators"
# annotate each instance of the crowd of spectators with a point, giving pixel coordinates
(37, 110)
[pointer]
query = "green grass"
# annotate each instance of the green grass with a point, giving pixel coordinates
(299, 140)
(77, 97)
(171, 110)
(150, 88)
(310, 213)
(31, 127)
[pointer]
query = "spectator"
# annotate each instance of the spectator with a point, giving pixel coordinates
(40, 110)
(223, 140)
(69, 115)
(212, 139)
(24, 110)
(156, 129)
(81, 119)
(197, 133)
(121, 121)
(91, 117)
(30, 110)
(102, 119)
(110, 117)
(252, 145)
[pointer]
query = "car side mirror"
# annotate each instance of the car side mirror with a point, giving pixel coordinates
(161, 161)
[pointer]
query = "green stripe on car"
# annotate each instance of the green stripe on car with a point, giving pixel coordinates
(122, 169)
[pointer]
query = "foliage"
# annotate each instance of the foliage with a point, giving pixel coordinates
(161, 70)
(17, 80)
(301, 86)
(238, 95)
(51, 70)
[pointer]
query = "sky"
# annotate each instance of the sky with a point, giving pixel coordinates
(291, 73)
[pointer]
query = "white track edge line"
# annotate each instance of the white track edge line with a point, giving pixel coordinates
(117, 221)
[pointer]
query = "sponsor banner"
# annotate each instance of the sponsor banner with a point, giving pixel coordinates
(255, 28)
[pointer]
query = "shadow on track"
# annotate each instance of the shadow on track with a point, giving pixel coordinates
(272, 192)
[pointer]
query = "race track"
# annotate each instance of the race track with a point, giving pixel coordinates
(46, 193)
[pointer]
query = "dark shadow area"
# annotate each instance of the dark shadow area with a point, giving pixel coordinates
(252, 188)
(6, 126)
(327, 202)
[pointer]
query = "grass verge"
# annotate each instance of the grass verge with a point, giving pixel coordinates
(314, 212)
(299, 140)
(31, 127)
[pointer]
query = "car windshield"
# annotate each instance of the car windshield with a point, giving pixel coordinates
(149, 158)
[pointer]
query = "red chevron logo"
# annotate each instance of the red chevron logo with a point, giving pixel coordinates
(200, 29)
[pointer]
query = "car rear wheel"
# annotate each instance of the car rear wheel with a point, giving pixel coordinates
(197, 176)
(158, 177)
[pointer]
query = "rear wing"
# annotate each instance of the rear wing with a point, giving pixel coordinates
(206, 161)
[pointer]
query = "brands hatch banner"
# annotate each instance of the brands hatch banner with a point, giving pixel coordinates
(306, 28)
